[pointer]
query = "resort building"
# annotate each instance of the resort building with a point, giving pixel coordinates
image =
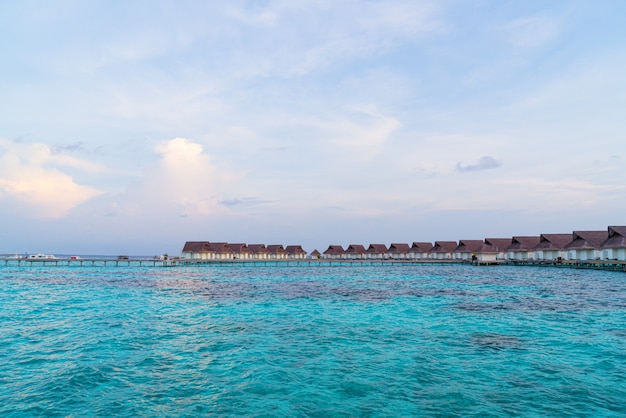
(316, 254)
(487, 253)
(197, 250)
(614, 247)
(442, 250)
(420, 250)
(259, 251)
(277, 252)
(221, 251)
(522, 248)
(376, 252)
(295, 252)
(467, 249)
(499, 245)
(241, 251)
(355, 252)
(585, 245)
(552, 246)
(398, 251)
(334, 252)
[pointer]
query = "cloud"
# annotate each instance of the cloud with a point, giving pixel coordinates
(485, 163)
(33, 178)
(184, 182)
(364, 132)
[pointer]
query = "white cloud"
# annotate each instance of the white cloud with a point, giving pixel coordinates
(32, 177)
(184, 182)
(364, 134)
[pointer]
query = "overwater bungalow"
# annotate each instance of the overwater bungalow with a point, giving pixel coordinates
(442, 250)
(221, 251)
(376, 251)
(614, 247)
(277, 252)
(197, 250)
(467, 249)
(355, 252)
(399, 251)
(419, 250)
(585, 245)
(552, 246)
(499, 245)
(316, 254)
(241, 251)
(295, 252)
(334, 252)
(522, 248)
(259, 251)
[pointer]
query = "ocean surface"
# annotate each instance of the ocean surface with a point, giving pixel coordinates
(312, 341)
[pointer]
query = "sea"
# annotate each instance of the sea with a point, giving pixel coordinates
(359, 341)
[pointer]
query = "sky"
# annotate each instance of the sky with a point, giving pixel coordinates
(130, 127)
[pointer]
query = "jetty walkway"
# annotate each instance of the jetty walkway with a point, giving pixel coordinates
(609, 265)
(179, 262)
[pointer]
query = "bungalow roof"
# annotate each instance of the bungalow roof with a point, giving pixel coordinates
(315, 253)
(239, 248)
(221, 247)
(523, 243)
(276, 249)
(499, 244)
(616, 238)
(258, 249)
(468, 246)
(377, 249)
(196, 247)
(355, 249)
(553, 241)
(444, 247)
(295, 249)
(334, 250)
(399, 248)
(421, 247)
(587, 240)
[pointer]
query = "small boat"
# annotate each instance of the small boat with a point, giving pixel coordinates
(42, 257)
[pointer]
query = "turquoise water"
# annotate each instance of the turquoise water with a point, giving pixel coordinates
(295, 341)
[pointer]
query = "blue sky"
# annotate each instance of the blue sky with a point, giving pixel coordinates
(133, 126)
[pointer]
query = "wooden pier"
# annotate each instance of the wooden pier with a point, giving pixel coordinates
(609, 265)
(181, 262)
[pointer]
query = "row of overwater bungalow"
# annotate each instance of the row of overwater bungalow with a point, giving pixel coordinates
(609, 244)
(205, 250)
